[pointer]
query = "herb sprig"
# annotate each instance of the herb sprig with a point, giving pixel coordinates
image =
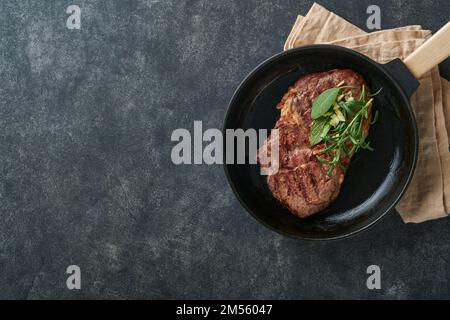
(338, 122)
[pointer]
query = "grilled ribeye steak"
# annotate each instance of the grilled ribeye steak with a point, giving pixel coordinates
(302, 184)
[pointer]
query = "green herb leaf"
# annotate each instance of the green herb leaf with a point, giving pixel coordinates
(353, 105)
(323, 102)
(319, 129)
(376, 93)
(375, 118)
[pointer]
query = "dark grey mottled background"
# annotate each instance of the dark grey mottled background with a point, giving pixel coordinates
(85, 171)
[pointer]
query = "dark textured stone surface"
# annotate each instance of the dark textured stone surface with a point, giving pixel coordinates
(86, 177)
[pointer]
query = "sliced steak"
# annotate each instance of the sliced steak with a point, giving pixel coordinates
(301, 183)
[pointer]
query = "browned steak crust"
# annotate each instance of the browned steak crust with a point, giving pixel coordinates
(301, 183)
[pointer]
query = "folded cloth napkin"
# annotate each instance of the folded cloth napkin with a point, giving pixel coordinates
(428, 196)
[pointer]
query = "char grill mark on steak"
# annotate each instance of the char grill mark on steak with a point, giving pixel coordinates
(303, 190)
(312, 179)
(301, 183)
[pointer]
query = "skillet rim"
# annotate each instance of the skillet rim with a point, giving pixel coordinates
(411, 120)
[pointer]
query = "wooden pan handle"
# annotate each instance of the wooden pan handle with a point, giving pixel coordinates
(431, 53)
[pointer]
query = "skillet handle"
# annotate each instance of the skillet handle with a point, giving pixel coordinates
(431, 53)
(404, 77)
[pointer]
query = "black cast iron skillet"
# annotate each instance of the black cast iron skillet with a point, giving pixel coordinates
(375, 181)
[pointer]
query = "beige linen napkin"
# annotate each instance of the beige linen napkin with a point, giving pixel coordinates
(446, 99)
(428, 196)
